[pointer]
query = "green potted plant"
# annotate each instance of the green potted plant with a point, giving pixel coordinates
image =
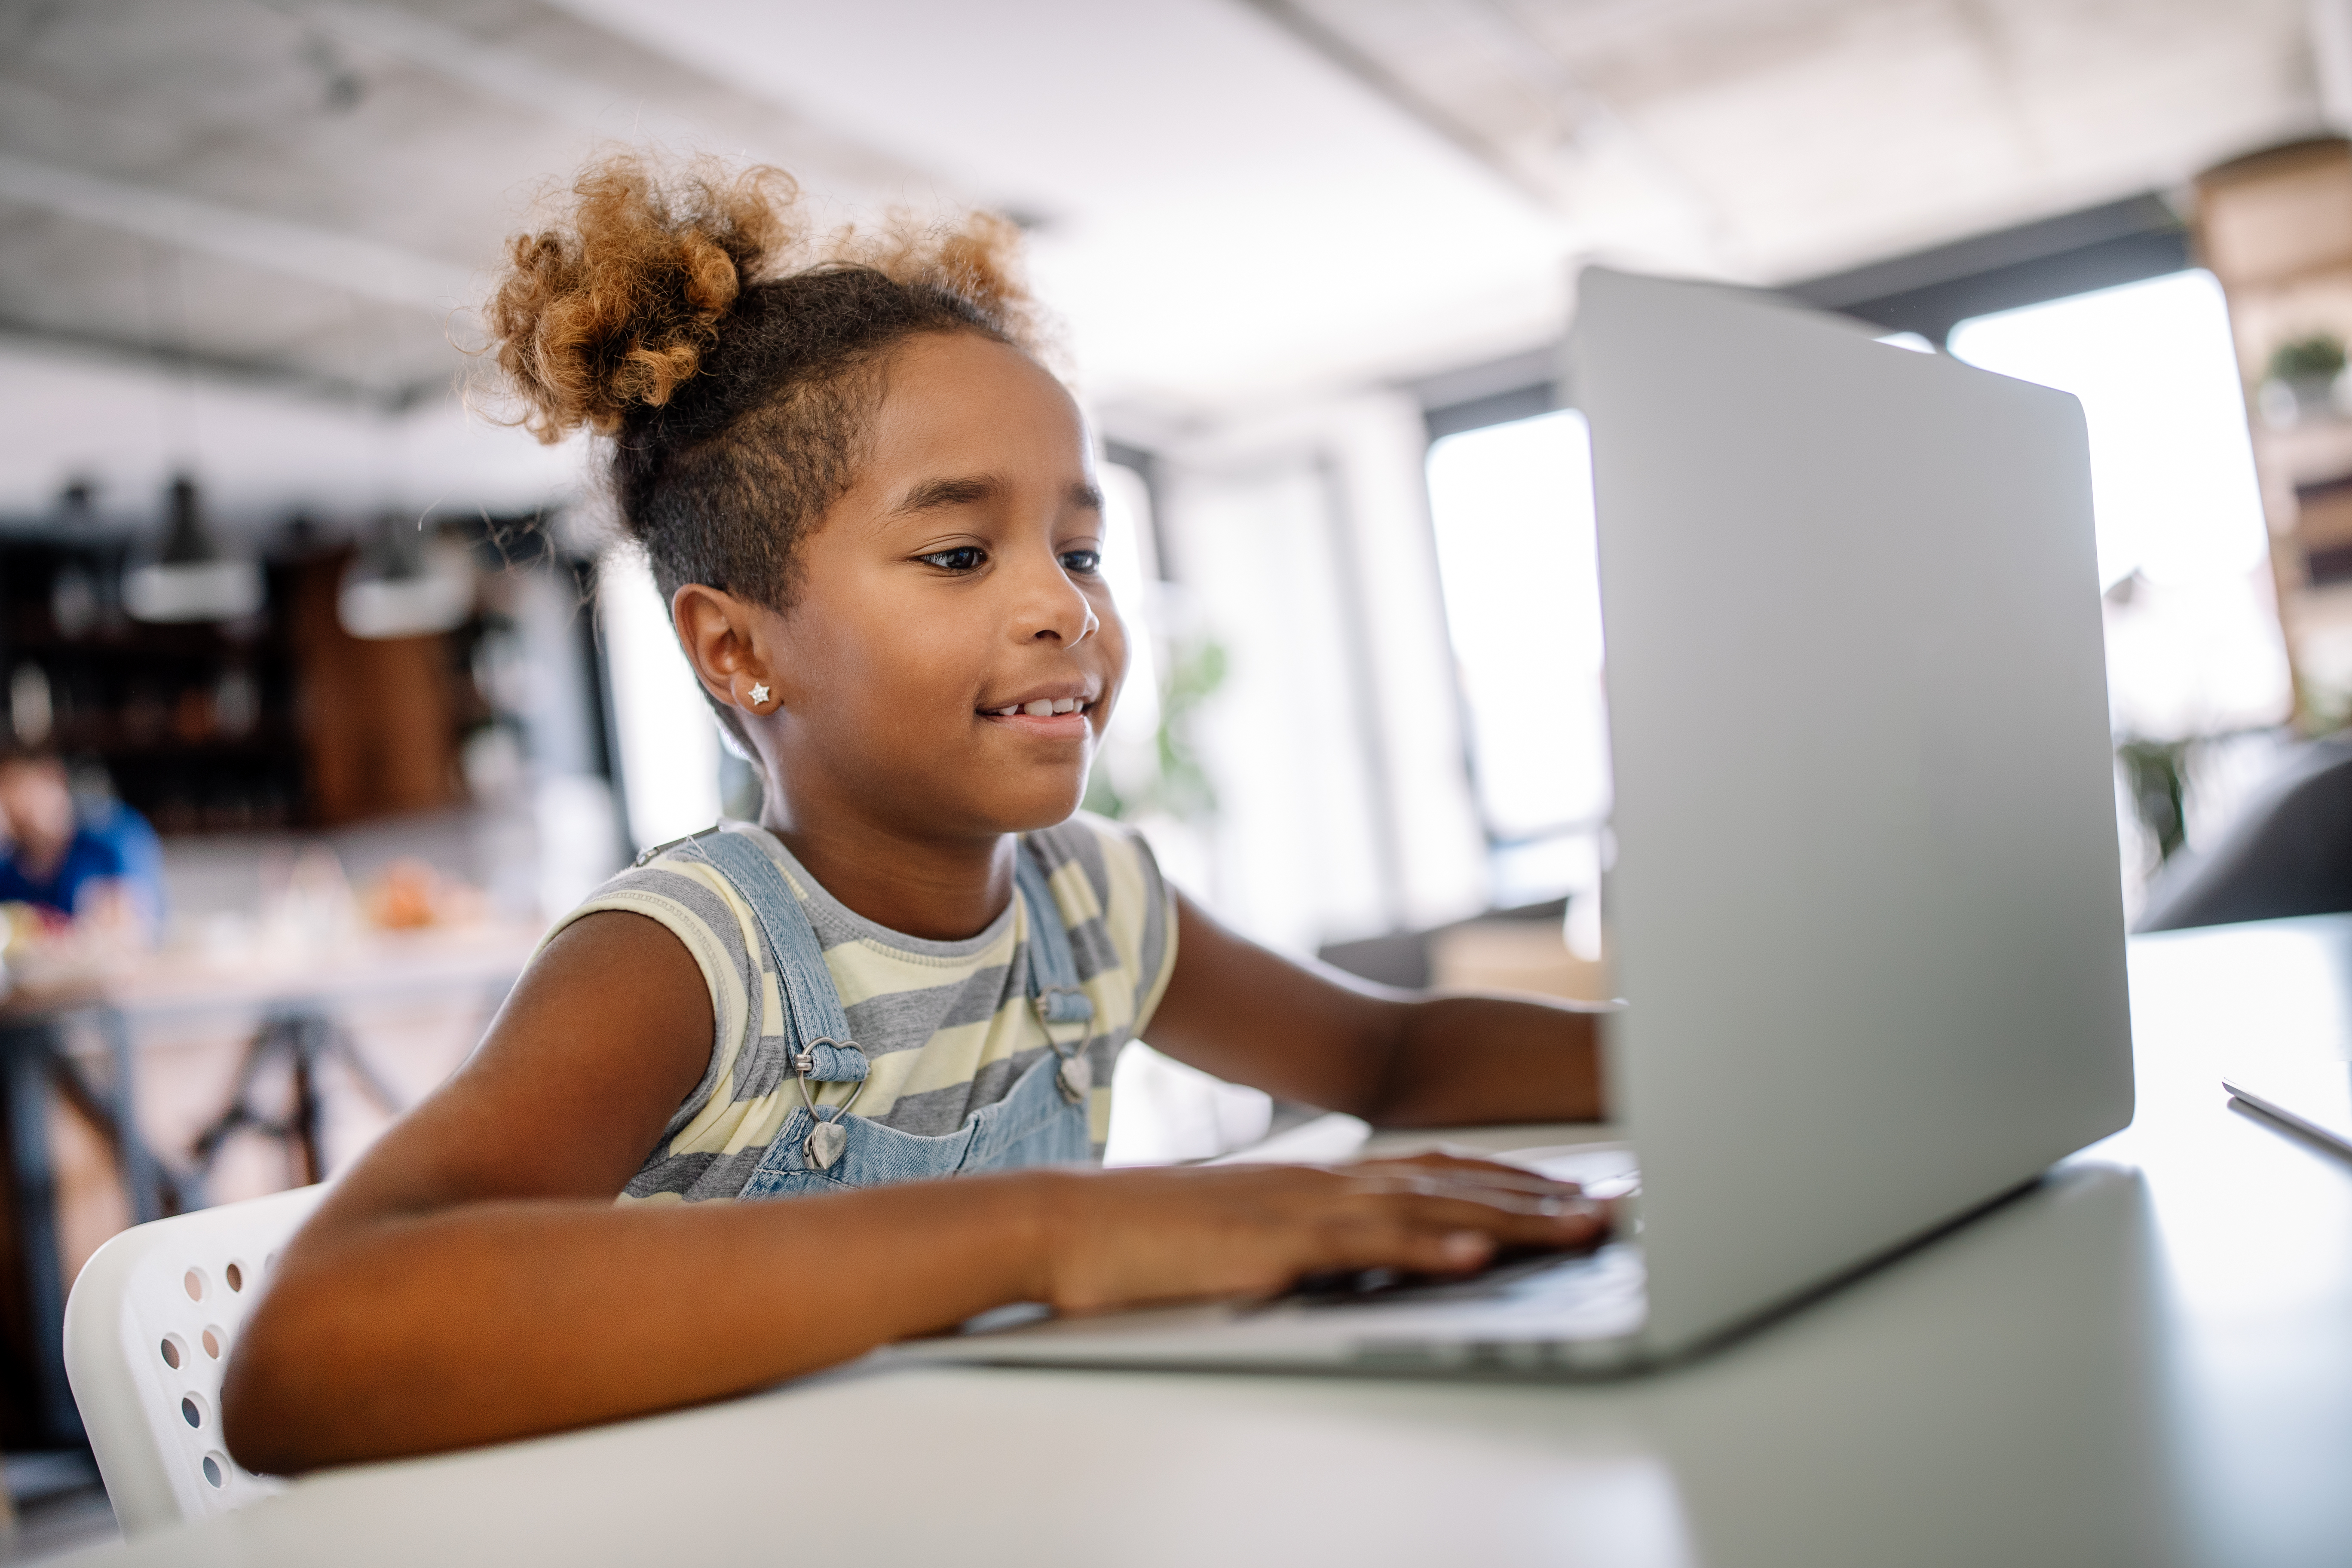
(2301, 379)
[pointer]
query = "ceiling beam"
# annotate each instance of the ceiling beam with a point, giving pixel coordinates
(261, 375)
(1930, 291)
(599, 104)
(494, 70)
(1343, 52)
(342, 261)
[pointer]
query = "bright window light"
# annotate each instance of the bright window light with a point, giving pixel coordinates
(1512, 508)
(668, 740)
(1127, 561)
(2193, 641)
(2171, 469)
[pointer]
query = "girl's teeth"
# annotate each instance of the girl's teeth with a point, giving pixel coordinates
(1009, 712)
(1040, 709)
(1066, 705)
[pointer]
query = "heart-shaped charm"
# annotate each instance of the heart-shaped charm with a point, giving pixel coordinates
(1075, 1077)
(826, 1143)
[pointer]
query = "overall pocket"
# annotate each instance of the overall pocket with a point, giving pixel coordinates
(1032, 1125)
(874, 1156)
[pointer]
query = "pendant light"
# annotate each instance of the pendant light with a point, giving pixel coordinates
(405, 585)
(73, 592)
(190, 579)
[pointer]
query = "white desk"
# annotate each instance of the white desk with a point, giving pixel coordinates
(2147, 1361)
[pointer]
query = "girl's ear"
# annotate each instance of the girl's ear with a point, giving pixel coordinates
(719, 635)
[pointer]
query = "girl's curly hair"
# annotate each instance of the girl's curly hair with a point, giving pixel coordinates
(731, 355)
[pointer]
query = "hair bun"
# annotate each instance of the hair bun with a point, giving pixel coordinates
(618, 302)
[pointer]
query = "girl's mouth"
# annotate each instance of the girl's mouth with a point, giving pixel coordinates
(1043, 708)
(1045, 717)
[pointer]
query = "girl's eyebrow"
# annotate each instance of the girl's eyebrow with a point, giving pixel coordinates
(935, 493)
(966, 489)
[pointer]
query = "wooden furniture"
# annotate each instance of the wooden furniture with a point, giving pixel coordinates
(2276, 229)
(281, 721)
(2146, 1361)
(379, 718)
(196, 723)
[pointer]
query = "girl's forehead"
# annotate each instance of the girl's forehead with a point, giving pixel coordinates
(936, 361)
(970, 396)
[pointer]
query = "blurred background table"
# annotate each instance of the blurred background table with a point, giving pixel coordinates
(69, 1040)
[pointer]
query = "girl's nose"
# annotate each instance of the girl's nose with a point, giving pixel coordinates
(1054, 610)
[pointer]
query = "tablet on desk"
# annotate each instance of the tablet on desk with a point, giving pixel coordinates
(2312, 1096)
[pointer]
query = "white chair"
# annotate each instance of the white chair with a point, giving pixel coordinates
(148, 1332)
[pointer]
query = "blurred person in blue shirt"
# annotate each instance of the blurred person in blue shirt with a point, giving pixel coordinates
(96, 861)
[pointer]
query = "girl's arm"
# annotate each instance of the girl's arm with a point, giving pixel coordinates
(471, 1278)
(1312, 1034)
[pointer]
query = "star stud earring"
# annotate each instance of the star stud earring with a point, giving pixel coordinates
(758, 695)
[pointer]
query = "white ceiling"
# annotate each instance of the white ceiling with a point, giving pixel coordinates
(1784, 138)
(1226, 214)
(1235, 201)
(1250, 195)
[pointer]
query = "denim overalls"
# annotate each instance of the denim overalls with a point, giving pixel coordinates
(1042, 1121)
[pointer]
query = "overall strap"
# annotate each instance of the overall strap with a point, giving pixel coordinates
(822, 1050)
(1054, 989)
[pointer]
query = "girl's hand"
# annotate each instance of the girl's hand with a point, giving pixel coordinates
(1124, 1239)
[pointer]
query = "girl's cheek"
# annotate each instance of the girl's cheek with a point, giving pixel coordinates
(1113, 633)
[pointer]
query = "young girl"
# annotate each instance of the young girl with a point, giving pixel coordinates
(875, 518)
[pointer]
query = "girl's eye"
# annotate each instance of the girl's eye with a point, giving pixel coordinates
(1082, 561)
(962, 558)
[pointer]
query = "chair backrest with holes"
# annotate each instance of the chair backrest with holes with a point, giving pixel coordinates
(148, 1332)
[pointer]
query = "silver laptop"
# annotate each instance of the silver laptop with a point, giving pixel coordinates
(1865, 906)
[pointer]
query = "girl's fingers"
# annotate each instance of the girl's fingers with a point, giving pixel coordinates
(1438, 1159)
(1535, 1212)
(1432, 1235)
(1573, 1223)
(1446, 1251)
(1440, 1240)
(1393, 1242)
(1551, 1198)
(1431, 1171)
(1157, 1235)
(1508, 1199)
(1477, 1173)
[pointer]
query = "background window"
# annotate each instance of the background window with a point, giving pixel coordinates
(1511, 505)
(2181, 543)
(2195, 653)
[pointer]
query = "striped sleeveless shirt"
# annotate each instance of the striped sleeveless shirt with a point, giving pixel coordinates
(946, 1024)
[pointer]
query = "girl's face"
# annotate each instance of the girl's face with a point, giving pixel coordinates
(952, 653)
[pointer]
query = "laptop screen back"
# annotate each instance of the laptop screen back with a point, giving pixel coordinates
(1865, 906)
